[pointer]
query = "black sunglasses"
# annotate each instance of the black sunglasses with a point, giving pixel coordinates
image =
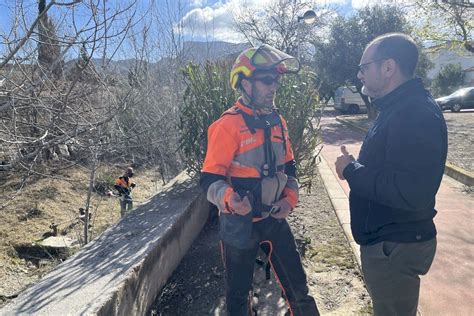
(267, 80)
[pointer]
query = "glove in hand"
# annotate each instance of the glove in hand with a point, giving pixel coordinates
(285, 209)
(240, 205)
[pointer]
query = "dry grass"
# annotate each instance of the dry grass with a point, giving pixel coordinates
(55, 200)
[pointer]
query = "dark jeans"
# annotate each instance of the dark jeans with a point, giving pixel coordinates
(285, 262)
(392, 273)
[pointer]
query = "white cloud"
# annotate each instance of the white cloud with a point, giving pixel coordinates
(358, 4)
(215, 21)
(212, 19)
(197, 3)
(333, 2)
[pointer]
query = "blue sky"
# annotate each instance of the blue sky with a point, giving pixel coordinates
(206, 17)
(201, 20)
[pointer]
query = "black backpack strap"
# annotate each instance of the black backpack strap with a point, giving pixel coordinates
(249, 121)
(269, 167)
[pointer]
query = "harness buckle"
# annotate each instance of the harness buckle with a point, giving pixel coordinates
(265, 170)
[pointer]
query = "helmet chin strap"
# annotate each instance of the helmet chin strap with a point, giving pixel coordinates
(252, 103)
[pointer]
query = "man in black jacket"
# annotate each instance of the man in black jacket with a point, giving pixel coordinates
(396, 177)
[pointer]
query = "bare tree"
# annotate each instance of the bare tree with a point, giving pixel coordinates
(460, 3)
(446, 22)
(88, 92)
(45, 114)
(279, 26)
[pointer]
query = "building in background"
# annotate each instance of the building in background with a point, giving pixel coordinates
(442, 56)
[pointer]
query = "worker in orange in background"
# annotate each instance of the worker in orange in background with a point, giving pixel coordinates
(124, 187)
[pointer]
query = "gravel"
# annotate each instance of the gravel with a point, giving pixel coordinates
(461, 139)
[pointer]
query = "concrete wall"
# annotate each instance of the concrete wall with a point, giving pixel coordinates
(123, 270)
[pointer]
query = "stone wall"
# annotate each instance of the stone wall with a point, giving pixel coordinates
(122, 271)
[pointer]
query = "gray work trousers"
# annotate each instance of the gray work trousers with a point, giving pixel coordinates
(126, 204)
(392, 273)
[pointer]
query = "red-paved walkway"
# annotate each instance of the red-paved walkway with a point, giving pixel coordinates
(448, 288)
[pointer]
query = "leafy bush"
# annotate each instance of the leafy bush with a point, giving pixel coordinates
(449, 78)
(298, 101)
(208, 94)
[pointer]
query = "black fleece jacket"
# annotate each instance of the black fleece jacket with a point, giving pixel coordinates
(399, 170)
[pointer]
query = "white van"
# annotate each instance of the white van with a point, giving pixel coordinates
(347, 101)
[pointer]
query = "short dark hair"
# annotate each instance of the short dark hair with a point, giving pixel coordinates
(399, 47)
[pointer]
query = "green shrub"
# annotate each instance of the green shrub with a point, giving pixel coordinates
(208, 94)
(449, 78)
(298, 101)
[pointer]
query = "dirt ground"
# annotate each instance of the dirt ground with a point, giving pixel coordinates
(461, 139)
(198, 286)
(26, 220)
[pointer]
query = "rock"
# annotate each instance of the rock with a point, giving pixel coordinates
(63, 150)
(59, 242)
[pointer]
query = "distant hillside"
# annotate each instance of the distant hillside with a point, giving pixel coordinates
(201, 51)
(197, 52)
(119, 67)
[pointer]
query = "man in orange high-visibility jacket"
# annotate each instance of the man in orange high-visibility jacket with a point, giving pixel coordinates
(124, 187)
(249, 173)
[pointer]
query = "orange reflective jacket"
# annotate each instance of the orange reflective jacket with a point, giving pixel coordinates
(124, 185)
(124, 182)
(235, 156)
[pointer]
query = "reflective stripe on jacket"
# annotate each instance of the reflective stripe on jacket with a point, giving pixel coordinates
(235, 157)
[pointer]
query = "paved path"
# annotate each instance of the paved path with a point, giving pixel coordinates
(448, 288)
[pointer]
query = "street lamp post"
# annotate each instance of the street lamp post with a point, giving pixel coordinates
(309, 17)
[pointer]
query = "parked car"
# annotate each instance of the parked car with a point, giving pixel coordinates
(347, 101)
(460, 99)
